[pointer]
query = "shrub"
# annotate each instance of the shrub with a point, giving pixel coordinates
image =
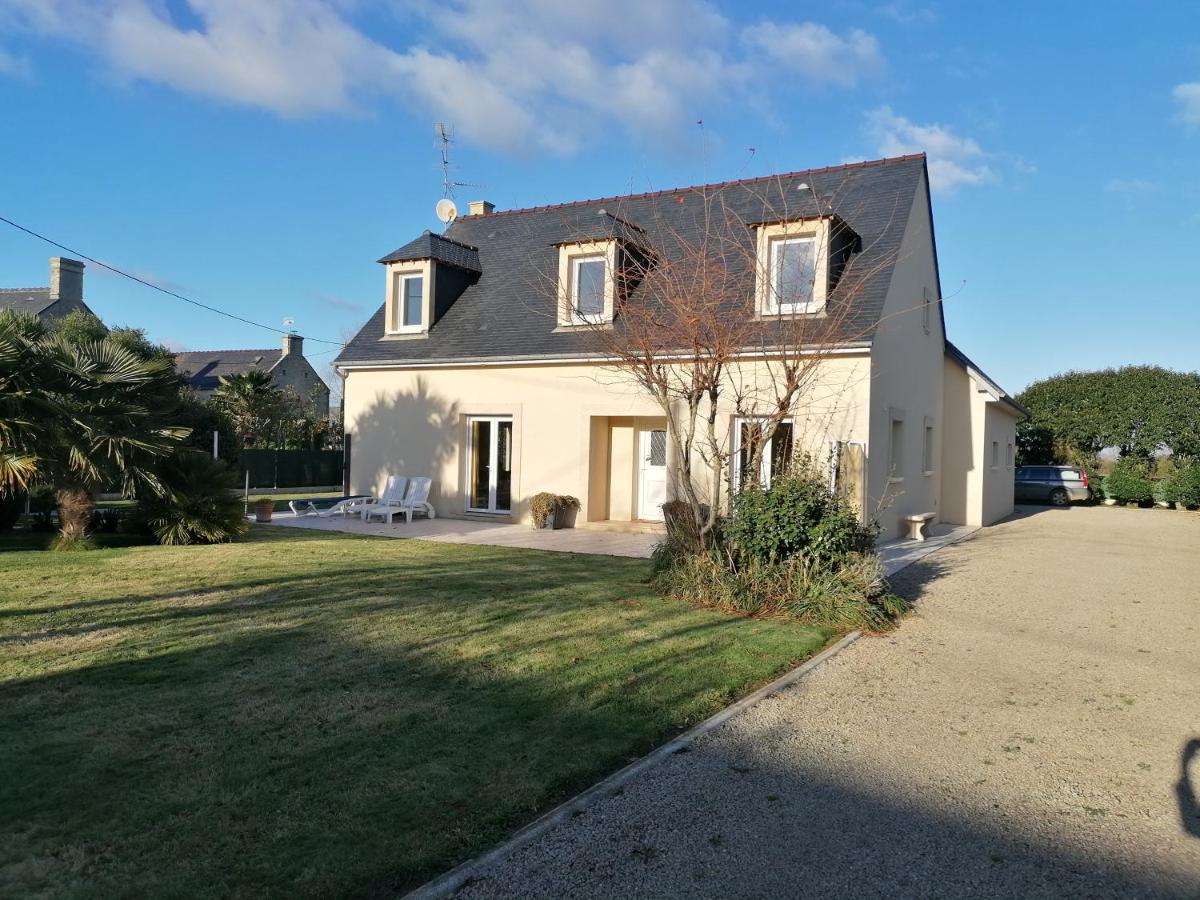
(792, 550)
(546, 506)
(1186, 485)
(798, 515)
(1129, 482)
(199, 505)
(845, 595)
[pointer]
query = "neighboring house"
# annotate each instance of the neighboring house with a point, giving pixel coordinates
(466, 373)
(205, 368)
(64, 294)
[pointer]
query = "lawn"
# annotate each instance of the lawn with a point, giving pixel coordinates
(316, 714)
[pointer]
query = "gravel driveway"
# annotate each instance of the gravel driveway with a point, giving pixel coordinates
(1021, 735)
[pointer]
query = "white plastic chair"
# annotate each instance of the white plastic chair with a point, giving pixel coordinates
(393, 491)
(415, 500)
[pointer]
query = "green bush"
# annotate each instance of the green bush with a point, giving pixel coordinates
(1186, 485)
(792, 550)
(798, 516)
(1129, 482)
(199, 505)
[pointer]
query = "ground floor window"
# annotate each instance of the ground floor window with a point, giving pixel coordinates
(489, 464)
(776, 455)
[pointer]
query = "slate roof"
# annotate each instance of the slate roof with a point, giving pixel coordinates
(29, 300)
(204, 368)
(434, 246)
(504, 315)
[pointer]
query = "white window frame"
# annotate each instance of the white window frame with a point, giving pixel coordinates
(995, 454)
(493, 463)
(770, 236)
(577, 317)
(398, 275)
(1010, 456)
(764, 470)
(569, 258)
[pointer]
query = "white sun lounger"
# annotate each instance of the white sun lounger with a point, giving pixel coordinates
(415, 500)
(393, 492)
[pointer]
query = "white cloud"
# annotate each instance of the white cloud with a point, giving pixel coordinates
(15, 66)
(816, 52)
(954, 160)
(1130, 186)
(907, 14)
(1187, 96)
(520, 75)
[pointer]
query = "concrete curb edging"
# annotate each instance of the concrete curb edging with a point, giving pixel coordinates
(445, 885)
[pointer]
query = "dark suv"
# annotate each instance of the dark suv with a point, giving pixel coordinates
(1057, 485)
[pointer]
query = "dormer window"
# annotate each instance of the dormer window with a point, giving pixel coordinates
(408, 298)
(409, 290)
(793, 267)
(586, 283)
(587, 287)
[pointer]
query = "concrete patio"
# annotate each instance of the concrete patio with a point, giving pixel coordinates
(497, 534)
(895, 554)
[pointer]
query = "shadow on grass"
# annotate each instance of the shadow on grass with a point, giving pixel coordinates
(282, 727)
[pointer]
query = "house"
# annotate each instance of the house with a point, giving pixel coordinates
(289, 368)
(64, 294)
(472, 372)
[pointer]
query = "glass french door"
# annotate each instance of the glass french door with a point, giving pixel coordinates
(489, 460)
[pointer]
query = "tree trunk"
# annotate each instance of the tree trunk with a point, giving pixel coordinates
(74, 510)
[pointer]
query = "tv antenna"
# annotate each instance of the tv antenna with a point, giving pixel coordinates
(442, 130)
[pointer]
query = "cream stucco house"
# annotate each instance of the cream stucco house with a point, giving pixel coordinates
(471, 371)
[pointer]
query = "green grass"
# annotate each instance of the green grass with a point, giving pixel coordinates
(315, 714)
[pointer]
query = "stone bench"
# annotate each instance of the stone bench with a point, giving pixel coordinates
(917, 525)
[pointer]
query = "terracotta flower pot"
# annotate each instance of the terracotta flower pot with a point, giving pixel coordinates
(262, 511)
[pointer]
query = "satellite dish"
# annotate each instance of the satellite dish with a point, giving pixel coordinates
(446, 210)
(289, 322)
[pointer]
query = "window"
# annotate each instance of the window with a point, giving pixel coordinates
(896, 450)
(406, 312)
(587, 283)
(776, 454)
(489, 453)
(1009, 458)
(587, 287)
(793, 274)
(995, 454)
(927, 451)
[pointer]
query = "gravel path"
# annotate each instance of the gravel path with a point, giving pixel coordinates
(1021, 735)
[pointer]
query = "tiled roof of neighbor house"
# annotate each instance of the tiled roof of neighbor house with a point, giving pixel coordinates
(204, 368)
(436, 247)
(505, 314)
(29, 300)
(965, 361)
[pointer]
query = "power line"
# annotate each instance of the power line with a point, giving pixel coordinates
(149, 284)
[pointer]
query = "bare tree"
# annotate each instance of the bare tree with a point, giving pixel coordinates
(710, 318)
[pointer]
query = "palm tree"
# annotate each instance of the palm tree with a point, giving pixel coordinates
(80, 415)
(252, 403)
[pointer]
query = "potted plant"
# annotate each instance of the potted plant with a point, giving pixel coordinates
(553, 510)
(263, 507)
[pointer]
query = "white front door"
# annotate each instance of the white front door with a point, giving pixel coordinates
(652, 474)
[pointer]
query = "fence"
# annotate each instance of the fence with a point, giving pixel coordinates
(292, 468)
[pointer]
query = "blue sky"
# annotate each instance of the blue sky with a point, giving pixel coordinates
(260, 156)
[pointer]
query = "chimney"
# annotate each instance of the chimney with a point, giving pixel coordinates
(66, 279)
(293, 343)
(481, 207)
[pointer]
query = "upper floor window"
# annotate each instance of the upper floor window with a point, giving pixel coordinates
(586, 282)
(587, 286)
(407, 310)
(793, 270)
(793, 267)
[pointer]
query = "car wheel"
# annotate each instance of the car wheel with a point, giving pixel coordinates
(1058, 497)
